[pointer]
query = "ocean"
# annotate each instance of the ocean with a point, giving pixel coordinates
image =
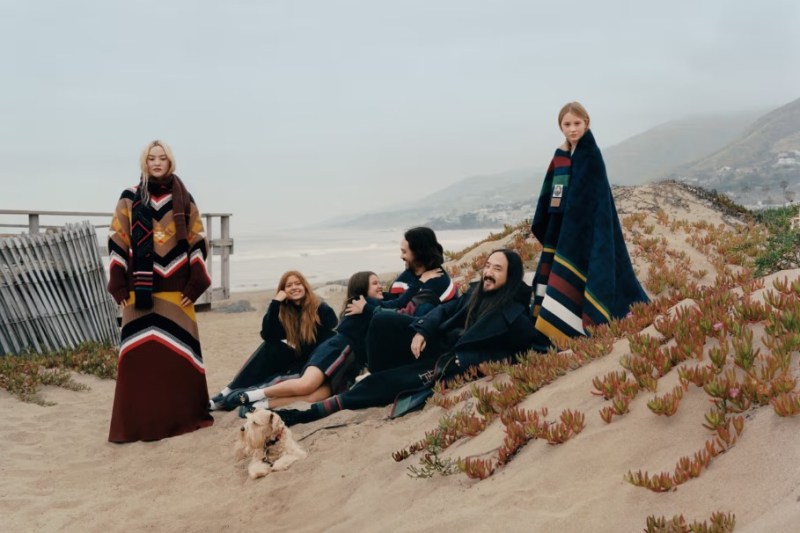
(258, 261)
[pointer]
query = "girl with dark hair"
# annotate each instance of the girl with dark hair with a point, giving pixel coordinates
(157, 249)
(295, 323)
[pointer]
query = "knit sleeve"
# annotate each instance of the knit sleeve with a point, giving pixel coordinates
(420, 298)
(119, 248)
(199, 280)
(443, 287)
(541, 216)
(271, 327)
(428, 324)
(328, 321)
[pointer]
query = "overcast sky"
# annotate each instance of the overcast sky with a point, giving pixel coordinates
(289, 112)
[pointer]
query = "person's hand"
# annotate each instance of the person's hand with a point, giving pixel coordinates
(123, 303)
(431, 274)
(356, 307)
(417, 345)
(280, 296)
(185, 301)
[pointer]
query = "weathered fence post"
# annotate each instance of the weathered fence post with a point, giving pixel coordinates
(52, 292)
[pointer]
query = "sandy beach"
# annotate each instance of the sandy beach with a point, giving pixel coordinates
(58, 472)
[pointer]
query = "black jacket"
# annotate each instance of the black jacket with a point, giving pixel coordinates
(499, 335)
(273, 331)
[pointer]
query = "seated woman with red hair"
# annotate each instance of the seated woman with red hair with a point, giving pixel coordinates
(295, 323)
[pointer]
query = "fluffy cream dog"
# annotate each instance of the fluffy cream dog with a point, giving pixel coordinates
(266, 440)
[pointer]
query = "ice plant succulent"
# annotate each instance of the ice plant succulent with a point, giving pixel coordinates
(667, 404)
(719, 523)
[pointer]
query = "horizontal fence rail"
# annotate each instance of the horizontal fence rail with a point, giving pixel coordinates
(221, 246)
(53, 292)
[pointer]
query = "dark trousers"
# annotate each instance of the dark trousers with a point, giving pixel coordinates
(409, 383)
(270, 360)
(383, 387)
(388, 343)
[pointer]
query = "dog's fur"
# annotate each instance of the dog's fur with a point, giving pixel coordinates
(269, 444)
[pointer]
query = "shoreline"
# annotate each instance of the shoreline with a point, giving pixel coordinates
(386, 276)
(332, 292)
(324, 257)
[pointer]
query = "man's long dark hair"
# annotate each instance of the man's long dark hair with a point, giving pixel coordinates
(426, 249)
(482, 303)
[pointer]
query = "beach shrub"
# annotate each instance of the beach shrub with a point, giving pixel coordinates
(719, 523)
(23, 375)
(782, 250)
(710, 343)
(721, 202)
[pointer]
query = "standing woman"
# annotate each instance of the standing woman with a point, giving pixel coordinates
(295, 323)
(585, 276)
(157, 248)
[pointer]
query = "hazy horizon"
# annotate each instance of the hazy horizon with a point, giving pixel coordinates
(287, 113)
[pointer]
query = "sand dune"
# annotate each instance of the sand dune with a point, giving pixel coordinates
(59, 473)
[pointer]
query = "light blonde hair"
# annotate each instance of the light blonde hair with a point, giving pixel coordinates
(576, 109)
(301, 328)
(145, 177)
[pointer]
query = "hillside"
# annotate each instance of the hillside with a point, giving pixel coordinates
(761, 167)
(662, 417)
(507, 197)
(484, 201)
(654, 154)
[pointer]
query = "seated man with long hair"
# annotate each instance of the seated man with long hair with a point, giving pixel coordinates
(423, 284)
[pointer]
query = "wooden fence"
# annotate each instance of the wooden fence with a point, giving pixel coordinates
(53, 292)
(221, 246)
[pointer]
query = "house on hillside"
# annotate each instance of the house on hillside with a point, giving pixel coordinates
(787, 160)
(796, 220)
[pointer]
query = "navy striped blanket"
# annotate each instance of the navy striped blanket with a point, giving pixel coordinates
(584, 276)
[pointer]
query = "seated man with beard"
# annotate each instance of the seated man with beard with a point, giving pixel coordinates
(490, 322)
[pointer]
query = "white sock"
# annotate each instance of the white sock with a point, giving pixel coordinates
(255, 395)
(211, 405)
(225, 391)
(262, 404)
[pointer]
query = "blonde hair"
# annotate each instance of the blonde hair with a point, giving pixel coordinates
(145, 177)
(301, 328)
(576, 109)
